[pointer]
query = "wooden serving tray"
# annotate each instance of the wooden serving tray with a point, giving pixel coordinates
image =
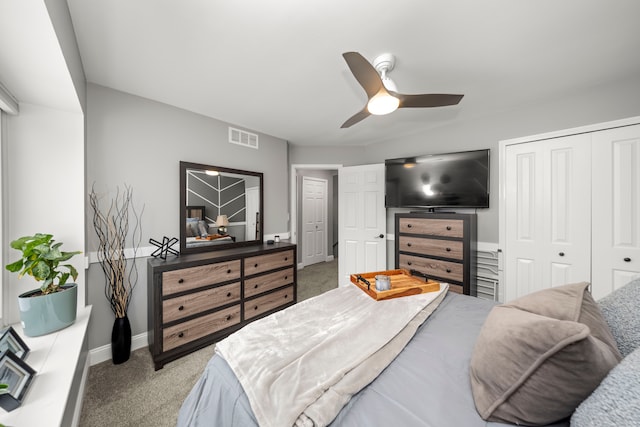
(402, 284)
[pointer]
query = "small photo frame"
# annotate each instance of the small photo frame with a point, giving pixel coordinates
(11, 341)
(17, 375)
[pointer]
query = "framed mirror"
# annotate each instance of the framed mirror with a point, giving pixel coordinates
(220, 208)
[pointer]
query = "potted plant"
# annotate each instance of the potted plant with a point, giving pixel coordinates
(53, 306)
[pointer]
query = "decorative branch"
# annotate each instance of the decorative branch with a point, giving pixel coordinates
(112, 229)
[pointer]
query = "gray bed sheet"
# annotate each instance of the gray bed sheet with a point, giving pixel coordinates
(427, 385)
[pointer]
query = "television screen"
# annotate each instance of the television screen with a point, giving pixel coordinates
(438, 180)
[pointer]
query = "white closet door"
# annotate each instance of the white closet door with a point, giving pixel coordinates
(616, 208)
(547, 213)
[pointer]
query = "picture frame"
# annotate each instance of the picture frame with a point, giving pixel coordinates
(11, 341)
(17, 375)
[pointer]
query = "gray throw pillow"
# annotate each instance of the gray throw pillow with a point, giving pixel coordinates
(621, 309)
(616, 401)
(538, 357)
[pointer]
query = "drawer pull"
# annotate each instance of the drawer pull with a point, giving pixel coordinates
(408, 262)
(181, 334)
(286, 258)
(627, 259)
(448, 228)
(228, 294)
(255, 308)
(286, 277)
(229, 271)
(228, 317)
(448, 249)
(409, 244)
(448, 270)
(181, 308)
(256, 265)
(180, 280)
(286, 296)
(561, 254)
(255, 286)
(408, 225)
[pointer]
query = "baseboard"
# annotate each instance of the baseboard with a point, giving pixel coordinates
(103, 353)
(329, 258)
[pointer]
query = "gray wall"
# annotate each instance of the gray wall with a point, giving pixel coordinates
(138, 142)
(604, 103)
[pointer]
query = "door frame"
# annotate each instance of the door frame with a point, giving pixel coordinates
(293, 188)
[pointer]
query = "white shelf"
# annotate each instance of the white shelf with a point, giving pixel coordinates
(58, 358)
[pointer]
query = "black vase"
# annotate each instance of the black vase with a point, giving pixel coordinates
(121, 340)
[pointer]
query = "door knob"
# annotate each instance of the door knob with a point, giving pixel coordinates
(380, 235)
(627, 259)
(561, 254)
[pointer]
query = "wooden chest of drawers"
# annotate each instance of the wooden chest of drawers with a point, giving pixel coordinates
(440, 246)
(196, 300)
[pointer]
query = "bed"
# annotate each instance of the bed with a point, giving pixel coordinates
(428, 383)
(197, 230)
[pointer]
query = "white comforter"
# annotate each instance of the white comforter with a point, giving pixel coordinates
(301, 365)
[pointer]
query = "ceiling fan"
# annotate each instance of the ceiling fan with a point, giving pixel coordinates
(382, 91)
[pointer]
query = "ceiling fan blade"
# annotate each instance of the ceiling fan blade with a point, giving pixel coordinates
(360, 115)
(364, 73)
(427, 100)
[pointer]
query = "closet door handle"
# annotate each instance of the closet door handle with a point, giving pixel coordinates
(627, 259)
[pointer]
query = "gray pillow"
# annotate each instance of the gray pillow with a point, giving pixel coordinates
(616, 402)
(538, 357)
(621, 309)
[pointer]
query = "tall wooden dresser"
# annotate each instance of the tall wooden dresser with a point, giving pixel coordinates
(197, 299)
(441, 246)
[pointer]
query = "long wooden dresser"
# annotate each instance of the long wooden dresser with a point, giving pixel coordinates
(441, 246)
(197, 299)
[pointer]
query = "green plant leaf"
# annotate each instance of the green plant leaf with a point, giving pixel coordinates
(14, 267)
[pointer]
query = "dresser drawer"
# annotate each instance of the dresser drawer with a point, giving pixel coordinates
(191, 330)
(186, 279)
(434, 247)
(266, 282)
(268, 302)
(261, 263)
(434, 227)
(443, 269)
(197, 302)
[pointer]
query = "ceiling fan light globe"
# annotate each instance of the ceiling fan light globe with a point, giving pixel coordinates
(382, 103)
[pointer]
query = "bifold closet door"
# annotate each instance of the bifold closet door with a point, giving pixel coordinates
(616, 208)
(547, 214)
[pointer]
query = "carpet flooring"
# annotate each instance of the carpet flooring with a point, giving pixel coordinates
(134, 395)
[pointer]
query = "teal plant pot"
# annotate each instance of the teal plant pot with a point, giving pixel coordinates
(43, 314)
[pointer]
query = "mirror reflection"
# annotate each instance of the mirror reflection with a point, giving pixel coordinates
(220, 207)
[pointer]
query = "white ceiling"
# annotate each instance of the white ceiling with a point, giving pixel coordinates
(276, 66)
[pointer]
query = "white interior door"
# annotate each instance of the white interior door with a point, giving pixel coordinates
(362, 221)
(314, 220)
(547, 214)
(616, 208)
(253, 207)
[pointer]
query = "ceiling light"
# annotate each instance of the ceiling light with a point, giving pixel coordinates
(212, 173)
(382, 103)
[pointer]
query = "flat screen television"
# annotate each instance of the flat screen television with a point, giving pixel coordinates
(448, 180)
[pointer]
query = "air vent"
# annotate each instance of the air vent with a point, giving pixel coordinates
(240, 137)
